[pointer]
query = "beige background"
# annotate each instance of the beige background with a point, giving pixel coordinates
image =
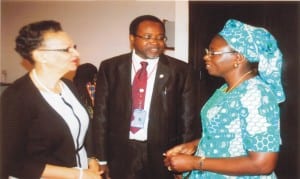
(99, 28)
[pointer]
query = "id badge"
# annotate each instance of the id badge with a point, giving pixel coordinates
(139, 117)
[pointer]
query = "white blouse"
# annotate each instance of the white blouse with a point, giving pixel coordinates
(74, 114)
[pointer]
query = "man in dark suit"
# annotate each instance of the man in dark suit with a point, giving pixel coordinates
(165, 116)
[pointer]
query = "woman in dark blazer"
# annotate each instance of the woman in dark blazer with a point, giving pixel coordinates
(44, 126)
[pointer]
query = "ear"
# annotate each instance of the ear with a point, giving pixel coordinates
(240, 59)
(131, 39)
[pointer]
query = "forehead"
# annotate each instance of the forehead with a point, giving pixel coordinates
(218, 41)
(150, 26)
(57, 38)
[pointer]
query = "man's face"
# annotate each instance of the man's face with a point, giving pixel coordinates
(149, 41)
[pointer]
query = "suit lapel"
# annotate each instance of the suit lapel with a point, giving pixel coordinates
(124, 70)
(124, 92)
(160, 88)
(162, 77)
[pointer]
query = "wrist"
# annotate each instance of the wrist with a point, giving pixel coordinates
(102, 162)
(201, 163)
(79, 172)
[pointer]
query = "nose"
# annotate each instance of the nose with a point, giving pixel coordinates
(206, 57)
(74, 52)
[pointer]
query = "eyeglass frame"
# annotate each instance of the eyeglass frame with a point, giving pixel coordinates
(149, 37)
(212, 53)
(67, 50)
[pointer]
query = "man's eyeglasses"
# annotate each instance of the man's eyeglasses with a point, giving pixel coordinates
(68, 49)
(211, 53)
(149, 37)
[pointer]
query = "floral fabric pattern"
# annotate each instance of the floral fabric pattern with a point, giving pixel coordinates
(245, 119)
(257, 45)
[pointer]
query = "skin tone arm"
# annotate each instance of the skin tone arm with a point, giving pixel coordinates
(58, 172)
(188, 148)
(255, 163)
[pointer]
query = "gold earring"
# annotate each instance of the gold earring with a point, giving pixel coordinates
(236, 65)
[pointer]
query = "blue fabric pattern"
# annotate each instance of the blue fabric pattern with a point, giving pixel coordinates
(257, 45)
(245, 119)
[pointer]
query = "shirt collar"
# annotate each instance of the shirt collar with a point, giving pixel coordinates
(137, 59)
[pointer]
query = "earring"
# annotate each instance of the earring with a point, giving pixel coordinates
(236, 65)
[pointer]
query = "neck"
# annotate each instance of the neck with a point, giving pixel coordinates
(238, 81)
(46, 82)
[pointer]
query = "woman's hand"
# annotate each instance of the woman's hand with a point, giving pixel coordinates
(188, 148)
(181, 162)
(105, 169)
(94, 165)
(91, 174)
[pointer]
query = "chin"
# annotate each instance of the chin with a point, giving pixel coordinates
(152, 56)
(73, 68)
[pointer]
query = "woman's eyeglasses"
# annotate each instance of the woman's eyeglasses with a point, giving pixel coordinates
(68, 49)
(211, 53)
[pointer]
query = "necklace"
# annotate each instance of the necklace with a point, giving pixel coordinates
(238, 81)
(41, 84)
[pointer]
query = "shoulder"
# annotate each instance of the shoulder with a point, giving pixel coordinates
(259, 91)
(174, 64)
(173, 61)
(21, 85)
(21, 92)
(117, 59)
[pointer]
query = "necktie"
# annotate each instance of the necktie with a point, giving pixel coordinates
(138, 91)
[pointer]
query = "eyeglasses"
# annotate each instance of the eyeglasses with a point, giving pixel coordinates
(211, 53)
(68, 49)
(149, 37)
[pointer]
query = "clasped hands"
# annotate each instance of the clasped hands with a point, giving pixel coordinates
(180, 158)
(95, 168)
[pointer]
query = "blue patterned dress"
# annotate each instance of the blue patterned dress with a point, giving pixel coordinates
(245, 119)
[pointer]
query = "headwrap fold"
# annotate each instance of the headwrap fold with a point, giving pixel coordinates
(256, 44)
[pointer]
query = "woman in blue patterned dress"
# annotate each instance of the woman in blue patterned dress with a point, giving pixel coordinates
(241, 121)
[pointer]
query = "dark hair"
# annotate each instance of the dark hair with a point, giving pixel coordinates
(136, 22)
(31, 37)
(85, 73)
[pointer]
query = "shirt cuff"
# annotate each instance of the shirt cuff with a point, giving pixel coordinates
(102, 162)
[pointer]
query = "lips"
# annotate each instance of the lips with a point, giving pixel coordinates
(76, 61)
(207, 65)
(153, 49)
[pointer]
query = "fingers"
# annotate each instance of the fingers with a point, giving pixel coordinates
(173, 151)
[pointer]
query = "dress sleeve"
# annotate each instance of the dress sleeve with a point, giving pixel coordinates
(15, 122)
(260, 121)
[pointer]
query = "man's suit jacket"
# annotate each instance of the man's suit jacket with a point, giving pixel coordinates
(173, 116)
(33, 133)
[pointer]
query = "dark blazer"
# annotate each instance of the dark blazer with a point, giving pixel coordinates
(173, 115)
(33, 133)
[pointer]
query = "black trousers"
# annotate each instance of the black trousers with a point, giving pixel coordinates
(138, 166)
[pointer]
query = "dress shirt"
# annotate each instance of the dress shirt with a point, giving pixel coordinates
(141, 135)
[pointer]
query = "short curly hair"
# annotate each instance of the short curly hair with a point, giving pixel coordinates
(31, 37)
(137, 21)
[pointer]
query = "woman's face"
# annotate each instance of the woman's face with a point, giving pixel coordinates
(219, 58)
(58, 52)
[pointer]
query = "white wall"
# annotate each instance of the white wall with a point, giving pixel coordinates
(99, 28)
